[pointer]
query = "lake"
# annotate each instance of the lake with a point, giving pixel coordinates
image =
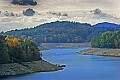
(78, 67)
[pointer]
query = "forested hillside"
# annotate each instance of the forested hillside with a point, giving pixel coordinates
(106, 40)
(106, 24)
(17, 50)
(61, 32)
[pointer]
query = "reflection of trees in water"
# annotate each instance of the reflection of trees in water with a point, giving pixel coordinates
(24, 2)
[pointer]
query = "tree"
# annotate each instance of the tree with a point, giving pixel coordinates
(106, 40)
(13, 49)
(62, 32)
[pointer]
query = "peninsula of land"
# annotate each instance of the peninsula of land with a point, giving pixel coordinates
(101, 52)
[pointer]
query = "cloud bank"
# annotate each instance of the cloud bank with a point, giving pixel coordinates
(87, 11)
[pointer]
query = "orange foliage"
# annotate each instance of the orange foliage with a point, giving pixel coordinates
(11, 43)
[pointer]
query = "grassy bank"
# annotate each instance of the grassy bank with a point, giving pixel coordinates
(101, 52)
(27, 67)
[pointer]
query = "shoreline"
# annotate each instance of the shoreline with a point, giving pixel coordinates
(101, 52)
(47, 46)
(12, 69)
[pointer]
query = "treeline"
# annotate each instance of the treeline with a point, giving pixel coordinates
(61, 32)
(24, 2)
(106, 40)
(17, 50)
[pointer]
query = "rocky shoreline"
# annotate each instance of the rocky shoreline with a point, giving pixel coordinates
(27, 67)
(101, 52)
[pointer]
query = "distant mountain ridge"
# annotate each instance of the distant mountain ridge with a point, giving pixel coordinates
(61, 32)
(106, 24)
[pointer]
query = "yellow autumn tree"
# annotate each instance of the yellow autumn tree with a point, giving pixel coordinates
(7, 38)
(15, 40)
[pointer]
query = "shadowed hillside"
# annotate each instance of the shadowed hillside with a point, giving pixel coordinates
(106, 24)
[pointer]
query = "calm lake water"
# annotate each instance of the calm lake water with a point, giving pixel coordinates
(78, 67)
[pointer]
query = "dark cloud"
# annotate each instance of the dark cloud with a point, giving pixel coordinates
(96, 11)
(99, 14)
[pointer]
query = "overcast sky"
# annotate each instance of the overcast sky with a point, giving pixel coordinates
(77, 10)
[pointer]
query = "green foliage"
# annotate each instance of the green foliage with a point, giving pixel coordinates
(19, 51)
(61, 32)
(106, 40)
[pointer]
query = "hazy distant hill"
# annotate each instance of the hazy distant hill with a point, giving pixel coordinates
(61, 32)
(106, 24)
